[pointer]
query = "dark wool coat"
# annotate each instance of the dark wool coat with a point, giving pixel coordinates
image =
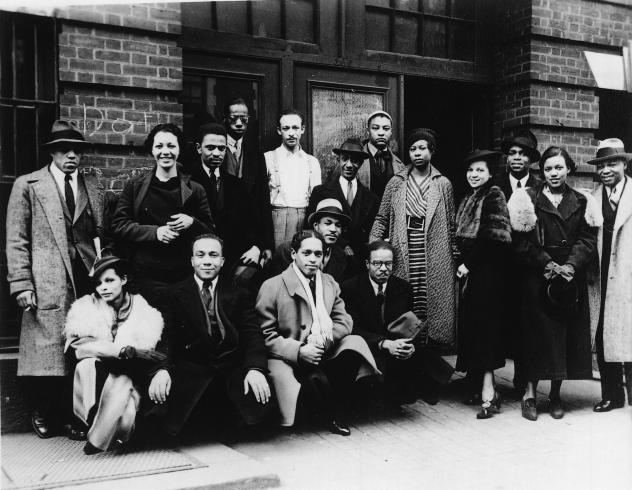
(555, 343)
(480, 340)
(390, 222)
(362, 212)
(196, 362)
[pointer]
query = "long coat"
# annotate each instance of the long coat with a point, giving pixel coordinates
(362, 212)
(617, 329)
(556, 343)
(390, 222)
(285, 318)
(195, 360)
(38, 259)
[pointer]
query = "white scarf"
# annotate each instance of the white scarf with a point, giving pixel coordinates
(321, 332)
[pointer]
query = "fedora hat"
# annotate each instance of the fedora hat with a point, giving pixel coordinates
(64, 132)
(525, 140)
(329, 207)
(561, 293)
(105, 263)
(610, 149)
(353, 147)
(489, 156)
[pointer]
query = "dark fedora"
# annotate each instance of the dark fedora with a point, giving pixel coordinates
(561, 293)
(329, 207)
(105, 263)
(610, 149)
(489, 156)
(63, 132)
(353, 147)
(525, 140)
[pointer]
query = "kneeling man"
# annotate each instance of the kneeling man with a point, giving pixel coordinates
(307, 333)
(218, 355)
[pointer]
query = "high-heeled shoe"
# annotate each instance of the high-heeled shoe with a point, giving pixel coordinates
(489, 407)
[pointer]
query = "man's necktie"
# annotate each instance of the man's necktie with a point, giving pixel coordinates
(70, 196)
(614, 198)
(382, 158)
(380, 301)
(207, 298)
(217, 177)
(312, 287)
(350, 195)
(518, 185)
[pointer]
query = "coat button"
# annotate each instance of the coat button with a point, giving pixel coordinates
(303, 327)
(564, 242)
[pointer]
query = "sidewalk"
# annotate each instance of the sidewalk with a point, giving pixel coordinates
(423, 446)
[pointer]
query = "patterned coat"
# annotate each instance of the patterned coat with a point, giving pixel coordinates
(441, 250)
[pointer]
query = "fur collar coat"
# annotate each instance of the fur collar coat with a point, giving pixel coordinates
(483, 214)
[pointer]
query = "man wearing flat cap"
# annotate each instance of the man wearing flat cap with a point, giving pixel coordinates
(611, 288)
(53, 218)
(358, 202)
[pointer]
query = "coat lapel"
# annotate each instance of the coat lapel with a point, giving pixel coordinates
(95, 198)
(624, 210)
(189, 296)
(143, 185)
(598, 195)
(569, 205)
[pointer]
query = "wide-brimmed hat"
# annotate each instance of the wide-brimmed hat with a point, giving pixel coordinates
(562, 294)
(329, 207)
(489, 156)
(105, 263)
(610, 149)
(64, 132)
(525, 140)
(353, 147)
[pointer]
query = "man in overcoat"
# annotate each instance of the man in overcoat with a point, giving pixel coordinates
(53, 218)
(611, 287)
(217, 352)
(357, 200)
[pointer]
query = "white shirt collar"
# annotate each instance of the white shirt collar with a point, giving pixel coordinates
(232, 142)
(617, 188)
(344, 185)
(514, 181)
(376, 286)
(284, 152)
(60, 177)
(200, 283)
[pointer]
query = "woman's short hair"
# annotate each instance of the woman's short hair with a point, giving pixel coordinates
(166, 128)
(121, 269)
(299, 236)
(553, 151)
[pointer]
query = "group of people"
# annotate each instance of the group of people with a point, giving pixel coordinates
(238, 286)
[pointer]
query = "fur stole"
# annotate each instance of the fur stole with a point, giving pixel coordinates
(524, 218)
(483, 214)
(90, 316)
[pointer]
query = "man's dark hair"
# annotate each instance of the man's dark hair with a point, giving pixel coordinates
(166, 128)
(299, 236)
(291, 112)
(210, 128)
(211, 236)
(234, 101)
(379, 245)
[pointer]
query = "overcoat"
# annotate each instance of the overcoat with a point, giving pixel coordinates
(38, 259)
(390, 222)
(285, 318)
(556, 343)
(617, 328)
(364, 173)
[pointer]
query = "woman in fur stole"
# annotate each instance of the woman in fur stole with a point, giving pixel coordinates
(113, 335)
(483, 234)
(556, 238)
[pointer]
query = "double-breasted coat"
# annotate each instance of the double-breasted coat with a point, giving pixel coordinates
(390, 222)
(617, 328)
(556, 343)
(38, 259)
(285, 318)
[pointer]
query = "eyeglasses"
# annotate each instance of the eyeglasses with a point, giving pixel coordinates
(379, 263)
(236, 117)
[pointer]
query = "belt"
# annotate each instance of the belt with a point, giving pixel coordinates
(414, 223)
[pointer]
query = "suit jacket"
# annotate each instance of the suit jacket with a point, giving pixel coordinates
(234, 212)
(195, 359)
(340, 265)
(362, 211)
(502, 181)
(39, 259)
(361, 303)
(364, 174)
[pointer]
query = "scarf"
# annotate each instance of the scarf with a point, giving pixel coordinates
(321, 332)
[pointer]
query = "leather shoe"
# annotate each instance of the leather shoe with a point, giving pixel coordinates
(555, 408)
(529, 411)
(41, 425)
(337, 427)
(89, 449)
(74, 433)
(607, 405)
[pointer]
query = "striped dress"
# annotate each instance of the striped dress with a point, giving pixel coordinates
(416, 204)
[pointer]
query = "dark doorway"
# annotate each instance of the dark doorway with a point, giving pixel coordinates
(460, 113)
(615, 117)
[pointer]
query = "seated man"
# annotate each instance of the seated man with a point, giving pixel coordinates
(217, 352)
(381, 307)
(329, 220)
(307, 333)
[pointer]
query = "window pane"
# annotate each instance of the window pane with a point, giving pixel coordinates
(377, 31)
(6, 63)
(407, 5)
(299, 21)
(232, 17)
(438, 7)
(462, 42)
(434, 38)
(406, 39)
(27, 139)
(45, 60)
(24, 59)
(266, 18)
(196, 15)
(7, 154)
(463, 9)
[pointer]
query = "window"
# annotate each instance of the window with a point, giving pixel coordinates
(435, 28)
(293, 20)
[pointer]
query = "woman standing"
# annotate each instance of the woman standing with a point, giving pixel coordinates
(483, 233)
(417, 216)
(159, 213)
(557, 240)
(113, 334)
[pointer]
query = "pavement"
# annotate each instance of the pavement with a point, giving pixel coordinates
(419, 446)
